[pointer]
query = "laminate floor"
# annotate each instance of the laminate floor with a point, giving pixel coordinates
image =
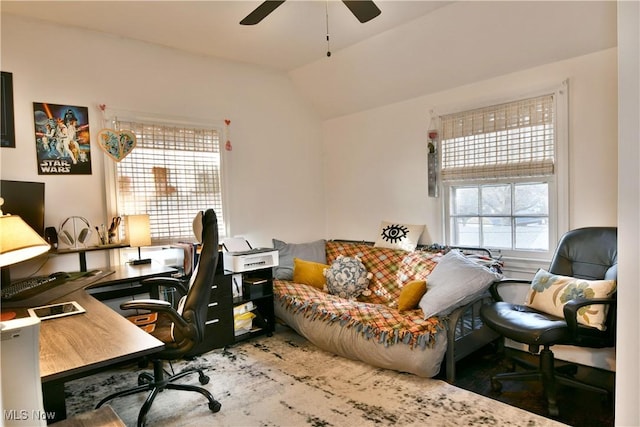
(578, 408)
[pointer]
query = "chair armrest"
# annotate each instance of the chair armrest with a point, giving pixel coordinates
(146, 304)
(156, 305)
(571, 310)
(494, 288)
(169, 282)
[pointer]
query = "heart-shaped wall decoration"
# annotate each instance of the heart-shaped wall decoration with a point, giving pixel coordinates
(117, 143)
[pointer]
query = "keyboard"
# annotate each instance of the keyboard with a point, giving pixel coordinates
(29, 287)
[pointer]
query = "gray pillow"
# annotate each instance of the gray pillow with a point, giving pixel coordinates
(312, 251)
(455, 281)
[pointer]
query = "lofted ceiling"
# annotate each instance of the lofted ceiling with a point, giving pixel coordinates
(413, 48)
(291, 36)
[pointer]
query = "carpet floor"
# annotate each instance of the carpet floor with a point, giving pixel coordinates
(284, 380)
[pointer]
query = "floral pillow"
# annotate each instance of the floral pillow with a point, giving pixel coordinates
(347, 278)
(549, 293)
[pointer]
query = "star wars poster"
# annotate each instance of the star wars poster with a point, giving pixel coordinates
(62, 139)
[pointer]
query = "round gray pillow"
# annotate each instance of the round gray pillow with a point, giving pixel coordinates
(347, 278)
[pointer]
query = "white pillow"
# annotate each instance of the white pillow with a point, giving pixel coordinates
(394, 235)
(454, 282)
(549, 293)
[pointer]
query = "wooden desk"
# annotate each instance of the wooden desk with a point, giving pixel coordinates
(80, 345)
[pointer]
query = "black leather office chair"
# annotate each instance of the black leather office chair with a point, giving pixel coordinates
(585, 253)
(182, 329)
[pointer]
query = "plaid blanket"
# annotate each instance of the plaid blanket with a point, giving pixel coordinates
(391, 268)
(374, 321)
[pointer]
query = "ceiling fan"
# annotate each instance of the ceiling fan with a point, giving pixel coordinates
(364, 10)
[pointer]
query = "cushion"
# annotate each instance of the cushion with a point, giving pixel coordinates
(347, 278)
(394, 235)
(417, 265)
(383, 263)
(549, 293)
(312, 251)
(309, 273)
(454, 282)
(411, 294)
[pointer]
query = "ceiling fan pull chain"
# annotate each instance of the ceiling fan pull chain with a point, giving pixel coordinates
(327, 18)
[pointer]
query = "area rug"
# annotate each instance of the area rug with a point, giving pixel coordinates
(284, 380)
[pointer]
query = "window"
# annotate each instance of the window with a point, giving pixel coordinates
(173, 172)
(499, 175)
(503, 216)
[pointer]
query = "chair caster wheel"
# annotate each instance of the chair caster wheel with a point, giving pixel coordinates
(215, 406)
(144, 378)
(496, 386)
(203, 379)
(570, 370)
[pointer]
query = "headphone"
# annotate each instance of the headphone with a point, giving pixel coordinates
(73, 239)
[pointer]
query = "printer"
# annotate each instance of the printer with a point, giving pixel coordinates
(238, 256)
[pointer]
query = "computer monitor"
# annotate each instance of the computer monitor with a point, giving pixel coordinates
(26, 200)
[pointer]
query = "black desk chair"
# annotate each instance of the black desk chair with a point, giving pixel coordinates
(181, 330)
(588, 254)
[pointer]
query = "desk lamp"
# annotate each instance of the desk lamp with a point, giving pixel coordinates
(21, 386)
(138, 232)
(18, 242)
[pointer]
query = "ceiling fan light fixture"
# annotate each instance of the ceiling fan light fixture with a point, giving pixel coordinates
(261, 12)
(363, 10)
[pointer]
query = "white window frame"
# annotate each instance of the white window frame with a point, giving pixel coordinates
(110, 174)
(558, 182)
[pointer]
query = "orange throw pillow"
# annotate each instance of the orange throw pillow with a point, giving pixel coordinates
(309, 273)
(411, 294)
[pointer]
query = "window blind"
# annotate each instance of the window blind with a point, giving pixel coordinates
(172, 173)
(514, 139)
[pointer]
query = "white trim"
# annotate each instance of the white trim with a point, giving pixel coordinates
(225, 173)
(523, 268)
(601, 358)
(111, 114)
(562, 160)
(109, 174)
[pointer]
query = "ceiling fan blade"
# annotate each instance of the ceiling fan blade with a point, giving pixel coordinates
(364, 10)
(261, 12)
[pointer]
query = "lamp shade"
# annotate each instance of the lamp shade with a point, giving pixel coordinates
(18, 241)
(138, 230)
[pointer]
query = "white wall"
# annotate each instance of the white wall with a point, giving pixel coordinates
(375, 167)
(275, 176)
(628, 344)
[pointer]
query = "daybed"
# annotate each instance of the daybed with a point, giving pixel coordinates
(371, 328)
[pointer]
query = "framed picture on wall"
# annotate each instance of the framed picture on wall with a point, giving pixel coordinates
(62, 139)
(7, 129)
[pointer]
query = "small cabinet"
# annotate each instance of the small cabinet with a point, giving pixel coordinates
(257, 287)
